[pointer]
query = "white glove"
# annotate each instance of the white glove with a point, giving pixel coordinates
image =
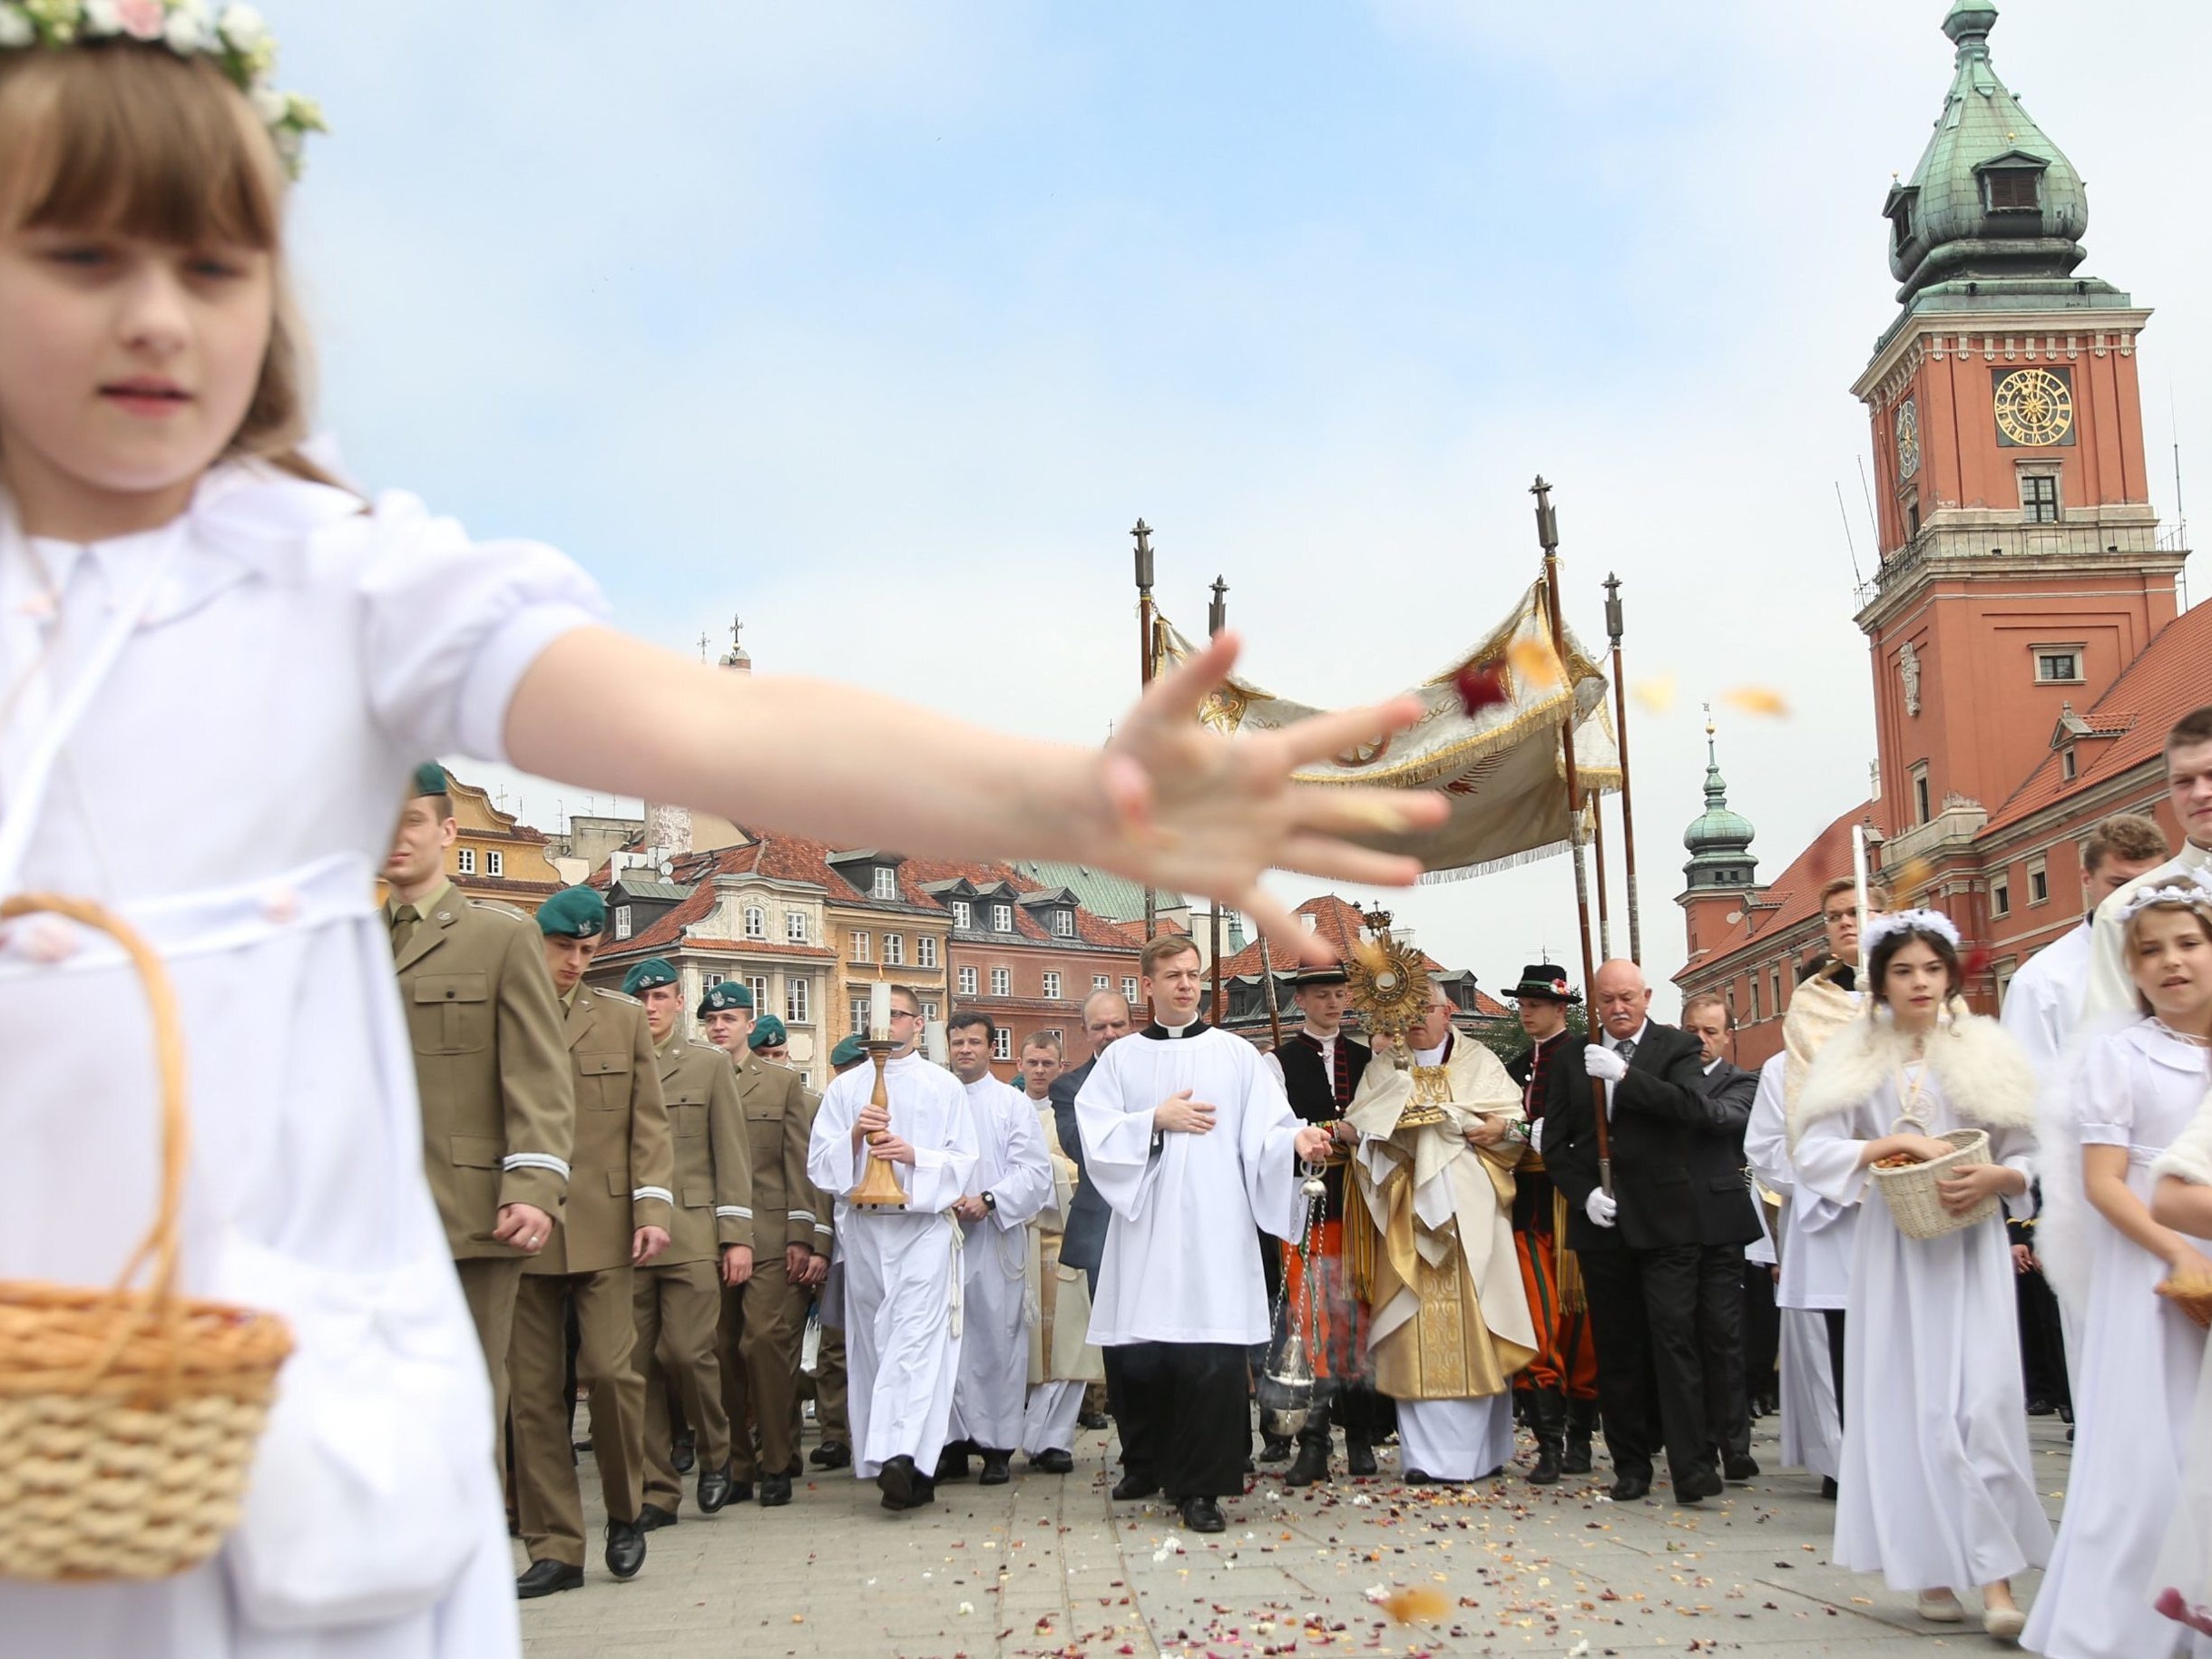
(1600, 1207)
(1604, 1064)
(1536, 1135)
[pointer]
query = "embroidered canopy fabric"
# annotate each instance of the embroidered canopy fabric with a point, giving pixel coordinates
(1499, 766)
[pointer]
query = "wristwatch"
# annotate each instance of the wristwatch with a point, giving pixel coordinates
(990, 1201)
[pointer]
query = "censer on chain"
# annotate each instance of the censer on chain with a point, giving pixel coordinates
(1287, 1385)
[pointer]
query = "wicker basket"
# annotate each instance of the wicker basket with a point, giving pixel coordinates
(128, 1418)
(2192, 1297)
(1910, 1191)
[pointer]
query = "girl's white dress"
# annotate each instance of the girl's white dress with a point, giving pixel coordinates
(2182, 1576)
(2135, 1375)
(232, 787)
(1936, 1491)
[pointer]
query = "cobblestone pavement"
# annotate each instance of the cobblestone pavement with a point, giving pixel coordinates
(1048, 1566)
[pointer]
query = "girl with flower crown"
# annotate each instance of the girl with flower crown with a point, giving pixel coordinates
(2138, 1357)
(194, 613)
(1935, 1492)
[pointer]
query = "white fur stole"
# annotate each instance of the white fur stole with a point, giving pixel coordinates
(1984, 1074)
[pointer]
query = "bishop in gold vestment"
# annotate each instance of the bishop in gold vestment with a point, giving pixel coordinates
(1449, 1324)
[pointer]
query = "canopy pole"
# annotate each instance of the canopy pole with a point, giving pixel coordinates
(1217, 618)
(1628, 793)
(1147, 661)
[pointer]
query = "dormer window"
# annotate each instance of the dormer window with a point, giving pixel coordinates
(2012, 190)
(886, 883)
(1002, 918)
(1063, 924)
(963, 913)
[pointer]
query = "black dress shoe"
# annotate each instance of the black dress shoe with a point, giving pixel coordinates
(1827, 1488)
(1739, 1469)
(544, 1577)
(831, 1454)
(1697, 1483)
(715, 1486)
(1360, 1457)
(1133, 1485)
(683, 1453)
(953, 1463)
(2040, 1406)
(1202, 1514)
(1419, 1476)
(625, 1548)
(924, 1491)
(1053, 1461)
(1275, 1448)
(652, 1517)
(775, 1491)
(898, 1480)
(1091, 1420)
(1631, 1488)
(996, 1471)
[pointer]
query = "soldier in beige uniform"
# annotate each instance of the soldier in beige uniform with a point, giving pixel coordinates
(498, 1109)
(710, 1244)
(619, 1203)
(759, 1359)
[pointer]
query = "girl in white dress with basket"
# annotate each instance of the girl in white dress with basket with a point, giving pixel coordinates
(218, 667)
(2137, 1361)
(1923, 1116)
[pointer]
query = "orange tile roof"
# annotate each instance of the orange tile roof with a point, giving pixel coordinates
(2167, 680)
(1792, 897)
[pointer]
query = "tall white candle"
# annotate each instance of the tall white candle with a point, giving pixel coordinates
(879, 1009)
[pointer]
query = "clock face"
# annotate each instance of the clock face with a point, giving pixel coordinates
(1908, 438)
(2035, 408)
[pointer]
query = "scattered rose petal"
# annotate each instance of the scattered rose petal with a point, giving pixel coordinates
(1415, 1604)
(1536, 663)
(1757, 700)
(1654, 695)
(1481, 685)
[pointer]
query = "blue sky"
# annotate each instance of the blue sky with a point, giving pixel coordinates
(880, 324)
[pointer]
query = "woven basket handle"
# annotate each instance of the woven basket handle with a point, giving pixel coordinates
(161, 1241)
(1907, 1121)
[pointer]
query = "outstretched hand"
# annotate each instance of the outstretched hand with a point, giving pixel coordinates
(1185, 808)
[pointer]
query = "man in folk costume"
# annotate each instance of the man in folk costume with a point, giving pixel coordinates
(1062, 1362)
(680, 1294)
(1013, 1181)
(1433, 1169)
(1320, 1066)
(620, 1197)
(902, 1286)
(1561, 1383)
(1188, 1137)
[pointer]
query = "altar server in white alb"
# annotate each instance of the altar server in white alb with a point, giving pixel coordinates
(1189, 1140)
(1013, 1181)
(902, 1266)
(1937, 1494)
(2136, 1373)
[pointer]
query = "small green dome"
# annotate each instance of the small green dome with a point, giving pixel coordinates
(1719, 841)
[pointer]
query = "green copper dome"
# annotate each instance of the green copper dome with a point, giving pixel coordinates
(1719, 841)
(1993, 200)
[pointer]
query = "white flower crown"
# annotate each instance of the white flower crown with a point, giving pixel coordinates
(1879, 928)
(2189, 892)
(236, 38)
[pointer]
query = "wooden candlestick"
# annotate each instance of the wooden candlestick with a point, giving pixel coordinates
(879, 1188)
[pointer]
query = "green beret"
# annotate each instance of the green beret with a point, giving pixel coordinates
(768, 1032)
(729, 994)
(573, 912)
(850, 1051)
(647, 974)
(430, 780)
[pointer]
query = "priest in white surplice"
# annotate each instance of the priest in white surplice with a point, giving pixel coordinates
(1450, 1324)
(1188, 1139)
(902, 1272)
(1013, 1181)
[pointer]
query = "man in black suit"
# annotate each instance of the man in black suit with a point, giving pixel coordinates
(1083, 1242)
(1638, 1245)
(1727, 1220)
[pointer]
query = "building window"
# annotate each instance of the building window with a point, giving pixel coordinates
(497, 863)
(2038, 497)
(1756, 1015)
(2001, 897)
(1064, 921)
(1056, 1034)
(2039, 883)
(895, 950)
(708, 981)
(886, 883)
(963, 913)
(929, 1010)
(464, 861)
(1002, 918)
(1002, 982)
(861, 942)
(1912, 518)
(967, 982)
(860, 1011)
(794, 1000)
(1129, 993)
(1002, 1043)
(925, 950)
(1099, 981)
(1920, 813)
(1774, 984)
(756, 922)
(2012, 190)
(2058, 665)
(795, 926)
(1051, 988)
(621, 921)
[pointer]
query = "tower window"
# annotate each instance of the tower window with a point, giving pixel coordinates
(1921, 814)
(2012, 190)
(1911, 518)
(2038, 497)
(2058, 665)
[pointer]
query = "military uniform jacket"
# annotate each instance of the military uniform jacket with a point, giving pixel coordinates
(778, 1118)
(623, 1166)
(498, 1109)
(714, 1160)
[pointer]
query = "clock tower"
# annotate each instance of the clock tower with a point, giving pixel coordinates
(2022, 566)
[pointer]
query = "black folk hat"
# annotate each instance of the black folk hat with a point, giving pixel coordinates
(1544, 982)
(1333, 974)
